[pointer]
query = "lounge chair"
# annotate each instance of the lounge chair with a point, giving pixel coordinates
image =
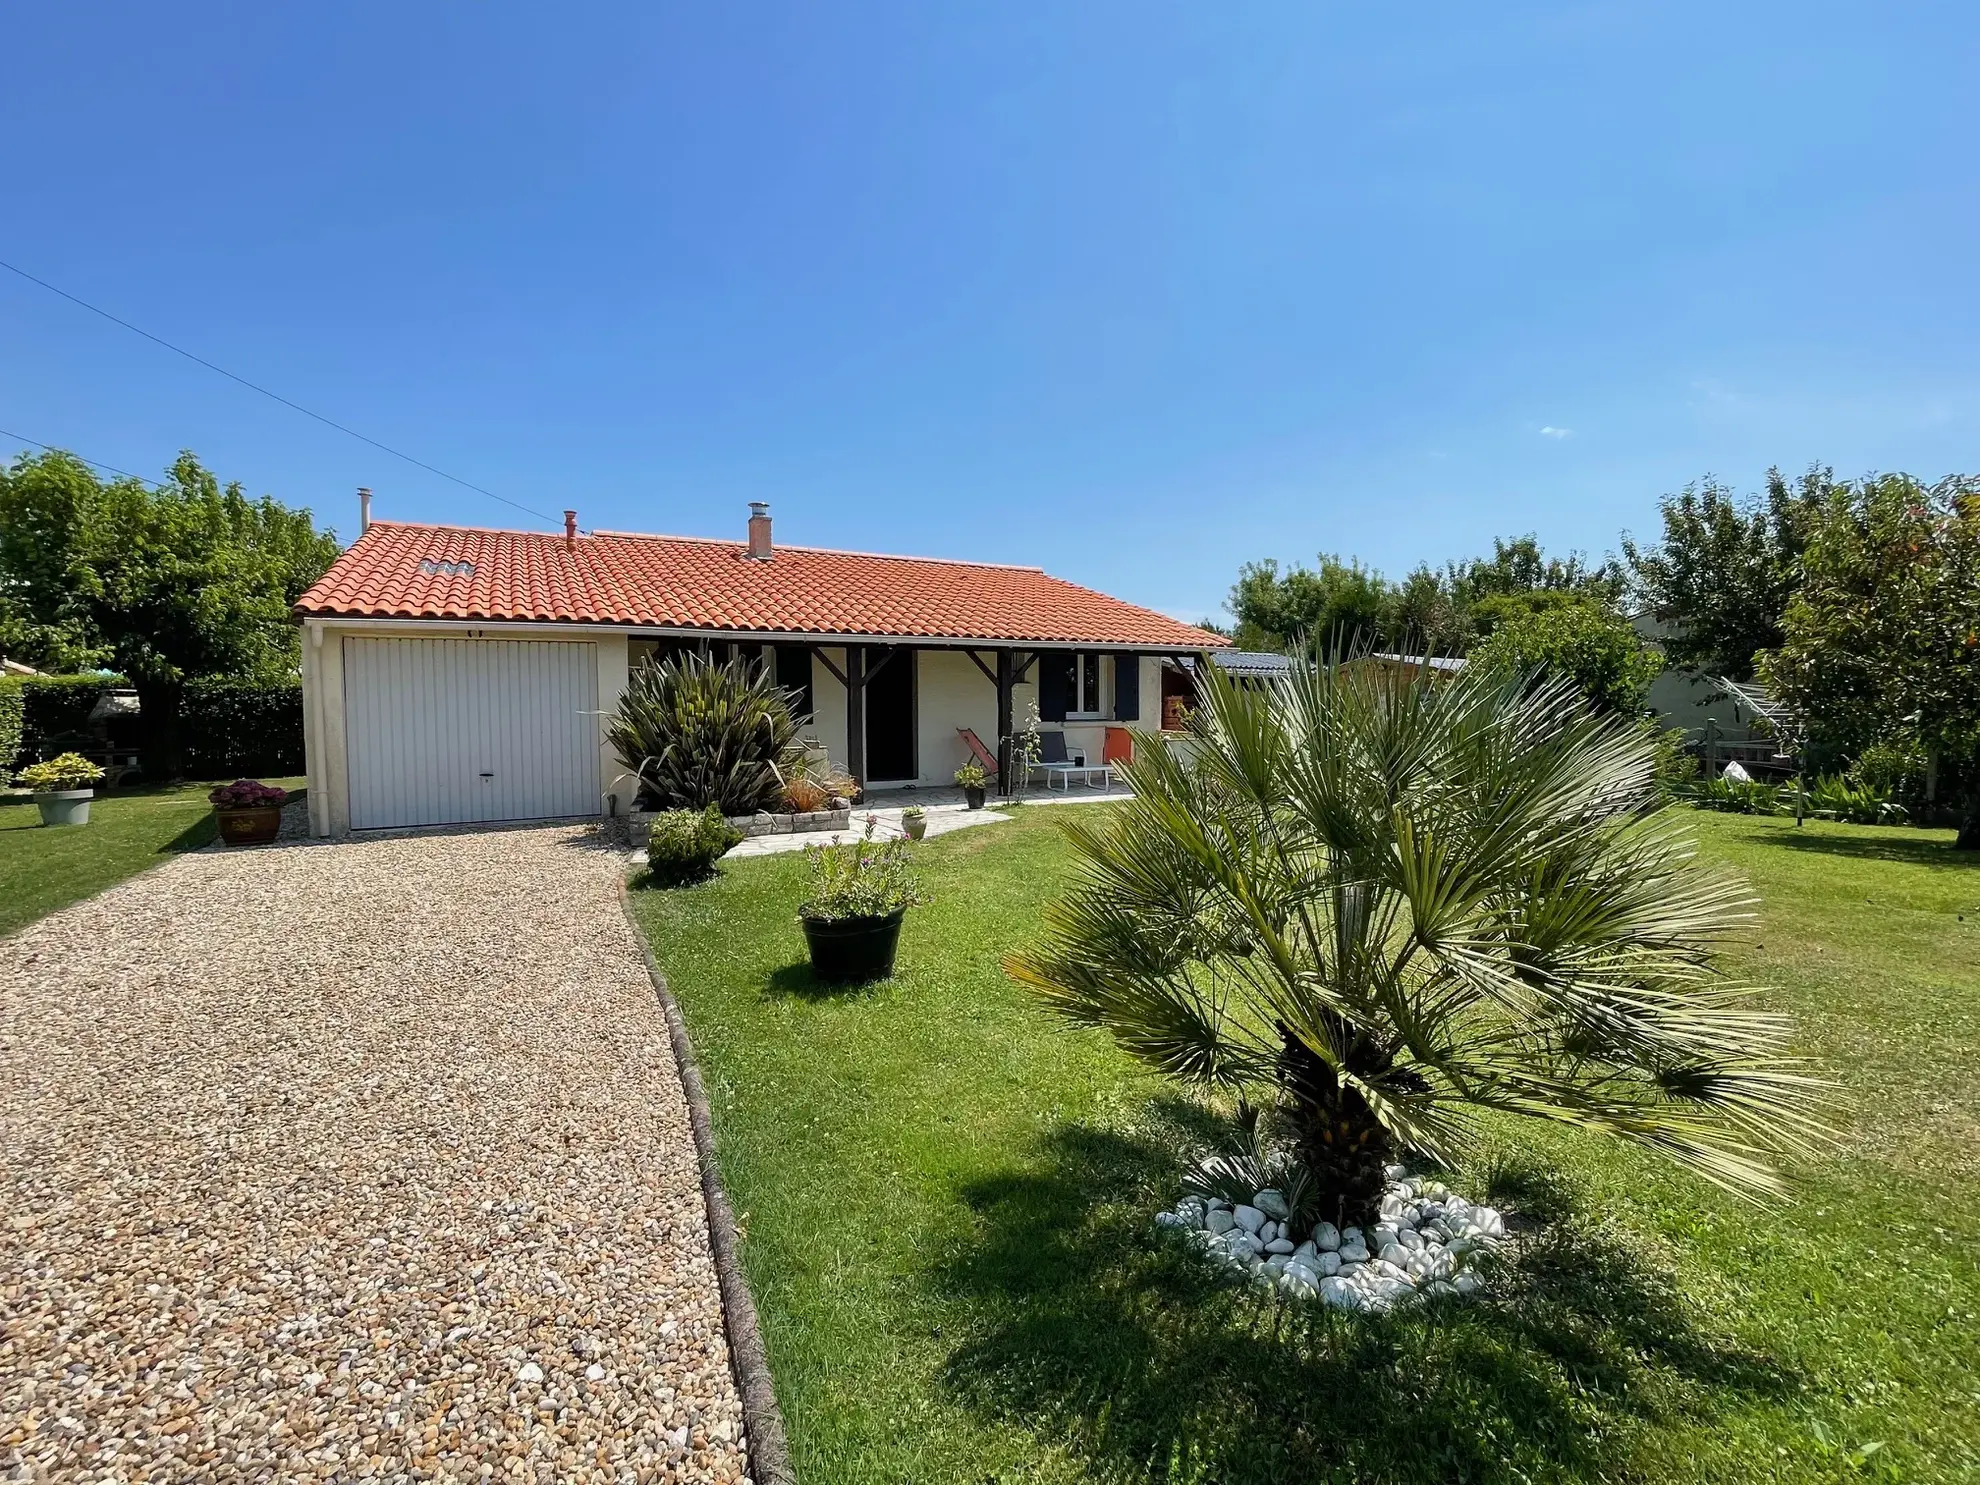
(984, 757)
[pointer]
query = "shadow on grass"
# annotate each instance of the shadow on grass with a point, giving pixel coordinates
(798, 981)
(1085, 1325)
(1938, 854)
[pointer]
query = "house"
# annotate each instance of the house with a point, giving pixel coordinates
(456, 674)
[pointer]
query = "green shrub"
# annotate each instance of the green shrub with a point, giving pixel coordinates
(13, 708)
(1677, 765)
(1840, 798)
(70, 771)
(686, 844)
(242, 728)
(859, 880)
(1895, 769)
(697, 734)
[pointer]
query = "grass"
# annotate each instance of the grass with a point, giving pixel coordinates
(43, 868)
(946, 1198)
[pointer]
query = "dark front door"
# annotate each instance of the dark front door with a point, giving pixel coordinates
(890, 753)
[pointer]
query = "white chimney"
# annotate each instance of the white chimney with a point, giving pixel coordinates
(364, 510)
(759, 530)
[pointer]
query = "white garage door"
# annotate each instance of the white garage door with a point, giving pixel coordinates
(441, 731)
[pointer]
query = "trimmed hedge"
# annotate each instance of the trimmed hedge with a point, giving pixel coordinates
(59, 705)
(13, 706)
(242, 729)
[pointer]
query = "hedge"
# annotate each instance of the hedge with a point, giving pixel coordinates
(242, 729)
(12, 706)
(232, 728)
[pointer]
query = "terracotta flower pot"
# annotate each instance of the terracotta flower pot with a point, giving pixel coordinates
(250, 827)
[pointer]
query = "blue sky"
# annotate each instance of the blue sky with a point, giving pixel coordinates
(1135, 292)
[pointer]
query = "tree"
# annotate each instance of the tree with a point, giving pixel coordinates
(1882, 641)
(1721, 579)
(1593, 648)
(1338, 604)
(1520, 570)
(1385, 905)
(166, 584)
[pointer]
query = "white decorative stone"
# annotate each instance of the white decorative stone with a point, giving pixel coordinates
(1272, 1204)
(1393, 1253)
(1340, 1294)
(1326, 1236)
(529, 1371)
(1248, 1217)
(1305, 1249)
(1328, 1263)
(1279, 1245)
(1219, 1221)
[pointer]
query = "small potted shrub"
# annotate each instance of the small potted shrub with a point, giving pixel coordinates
(684, 845)
(62, 788)
(852, 918)
(970, 778)
(914, 820)
(249, 811)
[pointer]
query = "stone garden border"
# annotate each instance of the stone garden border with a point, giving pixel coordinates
(767, 1447)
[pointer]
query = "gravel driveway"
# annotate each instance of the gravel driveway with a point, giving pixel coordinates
(353, 1161)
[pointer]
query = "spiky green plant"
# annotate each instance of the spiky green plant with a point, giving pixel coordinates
(1389, 904)
(697, 733)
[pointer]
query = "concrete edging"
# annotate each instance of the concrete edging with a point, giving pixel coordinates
(768, 1450)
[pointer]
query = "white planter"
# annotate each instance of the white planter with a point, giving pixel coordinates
(65, 806)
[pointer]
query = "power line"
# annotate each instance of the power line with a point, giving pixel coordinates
(92, 463)
(275, 396)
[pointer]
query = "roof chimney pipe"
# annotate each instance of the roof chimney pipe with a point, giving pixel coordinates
(364, 509)
(570, 530)
(759, 530)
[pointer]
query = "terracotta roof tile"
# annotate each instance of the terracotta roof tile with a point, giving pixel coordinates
(403, 571)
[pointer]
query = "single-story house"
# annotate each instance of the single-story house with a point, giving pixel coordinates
(455, 674)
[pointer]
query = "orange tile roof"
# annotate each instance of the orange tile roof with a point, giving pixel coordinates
(402, 571)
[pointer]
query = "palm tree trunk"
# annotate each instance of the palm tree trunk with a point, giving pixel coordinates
(1340, 1141)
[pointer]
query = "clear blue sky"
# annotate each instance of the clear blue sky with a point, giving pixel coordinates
(1132, 291)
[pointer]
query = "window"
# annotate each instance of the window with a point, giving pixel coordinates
(1085, 698)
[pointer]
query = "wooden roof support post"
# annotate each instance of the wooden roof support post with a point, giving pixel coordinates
(856, 713)
(1005, 683)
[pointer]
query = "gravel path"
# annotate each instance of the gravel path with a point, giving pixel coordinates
(354, 1161)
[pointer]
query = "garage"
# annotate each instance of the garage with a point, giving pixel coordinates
(453, 731)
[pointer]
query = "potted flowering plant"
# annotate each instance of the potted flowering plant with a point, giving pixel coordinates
(852, 918)
(249, 812)
(62, 788)
(914, 820)
(971, 778)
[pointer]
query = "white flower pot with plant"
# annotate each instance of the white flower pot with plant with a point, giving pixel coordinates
(63, 788)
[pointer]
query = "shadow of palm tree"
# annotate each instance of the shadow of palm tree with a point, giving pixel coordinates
(1097, 1331)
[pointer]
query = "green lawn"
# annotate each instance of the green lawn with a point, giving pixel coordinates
(43, 868)
(946, 1198)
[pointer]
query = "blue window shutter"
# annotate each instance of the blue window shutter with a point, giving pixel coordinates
(1127, 688)
(1055, 683)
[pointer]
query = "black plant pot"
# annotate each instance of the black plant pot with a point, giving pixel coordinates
(855, 948)
(973, 797)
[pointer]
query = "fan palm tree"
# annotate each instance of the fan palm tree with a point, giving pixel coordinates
(1393, 903)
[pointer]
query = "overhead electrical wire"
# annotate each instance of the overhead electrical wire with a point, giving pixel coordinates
(92, 463)
(273, 396)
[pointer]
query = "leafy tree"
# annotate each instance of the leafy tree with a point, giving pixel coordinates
(1721, 579)
(1592, 647)
(1518, 569)
(1338, 604)
(166, 584)
(1387, 906)
(1882, 642)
